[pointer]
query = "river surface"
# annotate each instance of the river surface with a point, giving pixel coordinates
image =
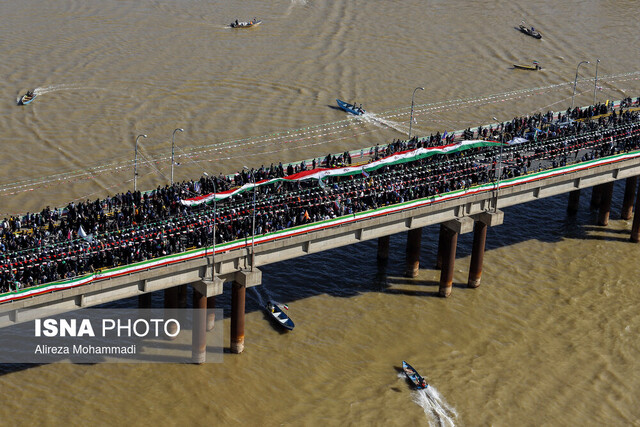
(551, 336)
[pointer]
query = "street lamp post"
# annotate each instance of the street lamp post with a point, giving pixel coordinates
(575, 82)
(213, 254)
(253, 220)
(173, 139)
(595, 83)
(135, 164)
(411, 118)
(499, 171)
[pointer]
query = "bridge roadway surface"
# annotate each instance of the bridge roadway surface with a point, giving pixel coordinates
(235, 264)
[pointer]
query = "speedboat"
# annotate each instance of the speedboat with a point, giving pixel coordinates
(276, 311)
(350, 108)
(414, 376)
(534, 67)
(529, 31)
(27, 98)
(244, 24)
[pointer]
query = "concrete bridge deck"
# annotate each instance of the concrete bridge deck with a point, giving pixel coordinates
(458, 212)
(232, 265)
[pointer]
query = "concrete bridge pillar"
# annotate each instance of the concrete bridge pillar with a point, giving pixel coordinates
(242, 280)
(596, 195)
(448, 260)
(182, 296)
(451, 230)
(171, 302)
(605, 203)
(441, 245)
(199, 328)
(629, 192)
(635, 228)
(171, 297)
(144, 300)
(204, 301)
(477, 254)
(383, 249)
(237, 317)
(479, 238)
(413, 252)
(574, 202)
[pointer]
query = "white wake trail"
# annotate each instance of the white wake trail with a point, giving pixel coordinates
(384, 123)
(293, 4)
(439, 412)
(62, 87)
(54, 88)
(258, 297)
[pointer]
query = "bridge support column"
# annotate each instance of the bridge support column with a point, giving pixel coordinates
(629, 191)
(209, 289)
(237, 317)
(479, 238)
(171, 302)
(441, 244)
(144, 300)
(448, 261)
(199, 328)
(413, 252)
(182, 296)
(211, 315)
(574, 202)
(477, 254)
(605, 203)
(383, 249)
(451, 230)
(596, 195)
(242, 280)
(171, 297)
(635, 228)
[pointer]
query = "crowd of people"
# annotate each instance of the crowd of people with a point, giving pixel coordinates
(55, 244)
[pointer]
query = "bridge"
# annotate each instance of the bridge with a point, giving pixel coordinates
(458, 212)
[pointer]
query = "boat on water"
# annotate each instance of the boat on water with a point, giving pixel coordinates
(245, 24)
(534, 67)
(414, 376)
(27, 98)
(276, 311)
(351, 108)
(529, 31)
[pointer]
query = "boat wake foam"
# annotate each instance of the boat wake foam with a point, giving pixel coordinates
(384, 123)
(53, 88)
(435, 407)
(261, 302)
(438, 411)
(295, 3)
(56, 88)
(292, 5)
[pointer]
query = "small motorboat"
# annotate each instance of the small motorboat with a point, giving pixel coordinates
(351, 108)
(529, 31)
(276, 311)
(244, 24)
(534, 67)
(414, 376)
(27, 98)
